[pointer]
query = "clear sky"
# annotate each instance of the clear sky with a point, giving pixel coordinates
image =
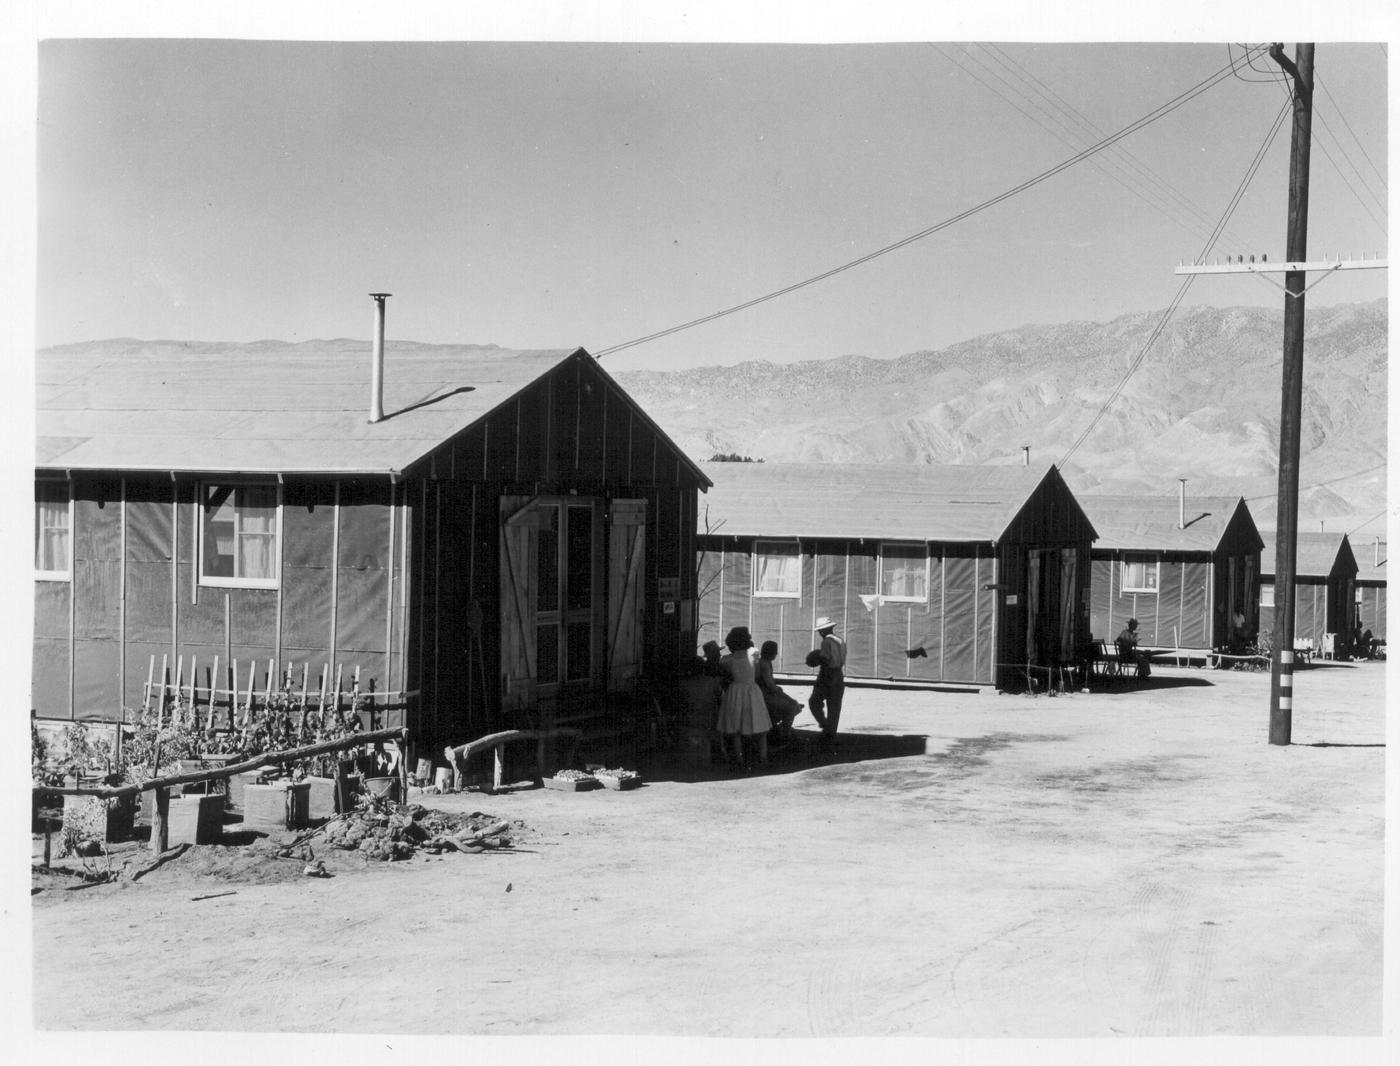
(559, 194)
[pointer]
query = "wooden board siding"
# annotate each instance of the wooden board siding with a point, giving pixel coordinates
(570, 433)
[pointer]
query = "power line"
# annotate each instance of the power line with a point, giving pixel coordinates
(1368, 521)
(1324, 484)
(1359, 143)
(1321, 143)
(1132, 172)
(1151, 117)
(1250, 171)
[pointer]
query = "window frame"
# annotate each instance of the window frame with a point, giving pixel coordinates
(795, 545)
(1141, 590)
(41, 574)
(204, 491)
(880, 580)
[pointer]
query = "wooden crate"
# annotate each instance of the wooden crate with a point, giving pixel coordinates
(276, 807)
(118, 817)
(320, 800)
(619, 784)
(582, 785)
(195, 819)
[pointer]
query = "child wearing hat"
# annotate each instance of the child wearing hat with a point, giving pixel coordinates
(742, 711)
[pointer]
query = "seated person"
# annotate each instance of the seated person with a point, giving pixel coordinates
(1239, 643)
(782, 708)
(1128, 649)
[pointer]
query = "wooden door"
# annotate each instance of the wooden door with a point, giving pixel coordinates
(519, 552)
(626, 601)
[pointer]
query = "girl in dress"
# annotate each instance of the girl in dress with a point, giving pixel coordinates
(742, 712)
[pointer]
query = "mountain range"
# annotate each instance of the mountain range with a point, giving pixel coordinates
(1203, 404)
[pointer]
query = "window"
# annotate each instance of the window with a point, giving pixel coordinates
(904, 572)
(238, 536)
(53, 531)
(568, 590)
(1140, 575)
(777, 569)
(1266, 595)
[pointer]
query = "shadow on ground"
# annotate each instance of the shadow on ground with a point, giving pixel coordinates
(804, 751)
(1155, 683)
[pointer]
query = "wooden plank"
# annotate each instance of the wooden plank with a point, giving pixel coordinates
(150, 680)
(305, 671)
(213, 680)
(232, 692)
(190, 710)
(248, 702)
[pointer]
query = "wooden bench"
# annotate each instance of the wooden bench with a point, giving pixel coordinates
(495, 743)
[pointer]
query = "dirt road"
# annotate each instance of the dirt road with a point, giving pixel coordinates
(1131, 863)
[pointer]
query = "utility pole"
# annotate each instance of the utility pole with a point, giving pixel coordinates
(1291, 416)
(1295, 272)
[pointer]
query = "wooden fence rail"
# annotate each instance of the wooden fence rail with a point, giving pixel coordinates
(224, 692)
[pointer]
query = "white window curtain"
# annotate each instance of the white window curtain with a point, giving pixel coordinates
(904, 572)
(240, 533)
(257, 533)
(778, 571)
(52, 535)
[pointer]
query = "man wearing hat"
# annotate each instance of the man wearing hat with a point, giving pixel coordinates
(830, 686)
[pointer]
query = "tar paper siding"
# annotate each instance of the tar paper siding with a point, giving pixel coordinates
(970, 627)
(1191, 608)
(1319, 608)
(954, 624)
(1178, 615)
(1321, 605)
(1370, 607)
(135, 596)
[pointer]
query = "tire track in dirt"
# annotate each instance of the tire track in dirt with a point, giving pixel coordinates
(1202, 966)
(1163, 1016)
(963, 956)
(831, 1005)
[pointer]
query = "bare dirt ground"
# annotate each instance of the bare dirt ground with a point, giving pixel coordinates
(1136, 862)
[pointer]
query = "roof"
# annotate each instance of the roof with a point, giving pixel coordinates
(266, 407)
(1318, 553)
(1152, 523)
(875, 501)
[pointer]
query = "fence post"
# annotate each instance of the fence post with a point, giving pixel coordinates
(160, 821)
